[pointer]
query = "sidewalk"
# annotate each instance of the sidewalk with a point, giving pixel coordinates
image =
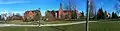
(63, 24)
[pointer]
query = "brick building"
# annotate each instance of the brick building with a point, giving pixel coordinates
(61, 14)
(32, 15)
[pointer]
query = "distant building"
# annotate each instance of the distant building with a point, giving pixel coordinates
(50, 15)
(16, 17)
(32, 15)
(62, 14)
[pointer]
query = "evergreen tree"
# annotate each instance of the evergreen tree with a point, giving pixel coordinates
(82, 13)
(100, 14)
(114, 15)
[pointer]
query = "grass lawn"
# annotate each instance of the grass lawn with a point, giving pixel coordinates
(105, 26)
(95, 26)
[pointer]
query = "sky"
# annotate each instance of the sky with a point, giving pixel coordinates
(20, 6)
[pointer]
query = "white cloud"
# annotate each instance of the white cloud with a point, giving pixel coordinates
(13, 1)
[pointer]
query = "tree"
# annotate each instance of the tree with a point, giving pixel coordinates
(53, 13)
(114, 15)
(82, 13)
(117, 7)
(74, 15)
(38, 15)
(100, 14)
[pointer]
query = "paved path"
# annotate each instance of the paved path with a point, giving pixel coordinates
(5, 25)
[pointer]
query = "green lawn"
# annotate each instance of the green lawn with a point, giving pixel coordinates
(95, 26)
(105, 26)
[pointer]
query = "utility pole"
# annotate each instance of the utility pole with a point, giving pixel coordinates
(87, 18)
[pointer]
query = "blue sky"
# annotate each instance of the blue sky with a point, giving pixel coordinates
(19, 6)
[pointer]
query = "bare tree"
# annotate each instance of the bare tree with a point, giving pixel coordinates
(117, 7)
